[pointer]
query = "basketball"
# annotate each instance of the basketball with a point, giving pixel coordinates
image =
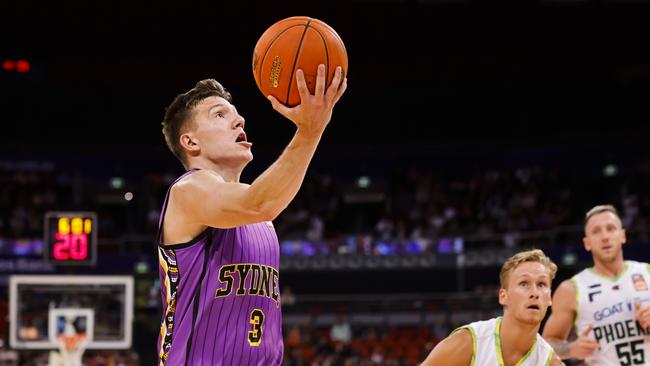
(291, 44)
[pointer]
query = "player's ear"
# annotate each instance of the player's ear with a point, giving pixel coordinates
(189, 142)
(624, 236)
(585, 242)
(503, 296)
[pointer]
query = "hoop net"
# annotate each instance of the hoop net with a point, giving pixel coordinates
(71, 348)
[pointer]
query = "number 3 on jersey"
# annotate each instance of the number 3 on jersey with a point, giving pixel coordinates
(257, 321)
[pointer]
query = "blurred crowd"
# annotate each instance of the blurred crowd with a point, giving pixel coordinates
(405, 209)
(387, 331)
(363, 346)
(402, 208)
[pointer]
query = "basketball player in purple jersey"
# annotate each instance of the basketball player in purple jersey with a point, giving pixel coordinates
(218, 251)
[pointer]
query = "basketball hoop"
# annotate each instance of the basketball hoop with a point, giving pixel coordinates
(71, 348)
(71, 329)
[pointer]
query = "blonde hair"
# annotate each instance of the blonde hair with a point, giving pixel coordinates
(600, 209)
(534, 255)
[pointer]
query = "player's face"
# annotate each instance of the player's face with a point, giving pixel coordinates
(219, 132)
(604, 237)
(528, 295)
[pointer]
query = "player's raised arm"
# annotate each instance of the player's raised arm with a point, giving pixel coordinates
(205, 198)
(455, 350)
(559, 325)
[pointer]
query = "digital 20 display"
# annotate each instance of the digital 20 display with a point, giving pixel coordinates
(71, 238)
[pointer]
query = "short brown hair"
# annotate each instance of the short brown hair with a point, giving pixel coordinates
(179, 113)
(534, 255)
(600, 209)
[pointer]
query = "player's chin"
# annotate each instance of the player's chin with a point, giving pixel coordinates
(241, 159)
(533, 320)
(246, 156)
(532, 317)
(608, 257)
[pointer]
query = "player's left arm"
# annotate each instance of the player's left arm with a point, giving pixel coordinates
(455, 350)
(642, 313)
(556, 360)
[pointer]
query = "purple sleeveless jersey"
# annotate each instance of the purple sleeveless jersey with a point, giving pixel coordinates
(221, 297)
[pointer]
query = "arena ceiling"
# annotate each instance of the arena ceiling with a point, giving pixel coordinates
(513, 69)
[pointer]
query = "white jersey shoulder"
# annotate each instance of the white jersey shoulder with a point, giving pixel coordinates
(608, 304)
(487, 346)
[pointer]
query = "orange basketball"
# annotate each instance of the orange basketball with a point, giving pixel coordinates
(291, 44)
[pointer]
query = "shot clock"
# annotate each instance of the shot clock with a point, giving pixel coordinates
(70, 238)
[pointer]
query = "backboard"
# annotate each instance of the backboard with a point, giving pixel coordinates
(102, 304)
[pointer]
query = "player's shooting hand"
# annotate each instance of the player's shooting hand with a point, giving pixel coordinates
(314, 112)
(584, 346)
(642, 314)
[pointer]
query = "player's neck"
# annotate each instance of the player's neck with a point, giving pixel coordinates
(610, 269)
(516, 338)
(228, 173)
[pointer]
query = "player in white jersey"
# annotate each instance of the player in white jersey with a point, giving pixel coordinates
(511, 340)
(608, 304)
